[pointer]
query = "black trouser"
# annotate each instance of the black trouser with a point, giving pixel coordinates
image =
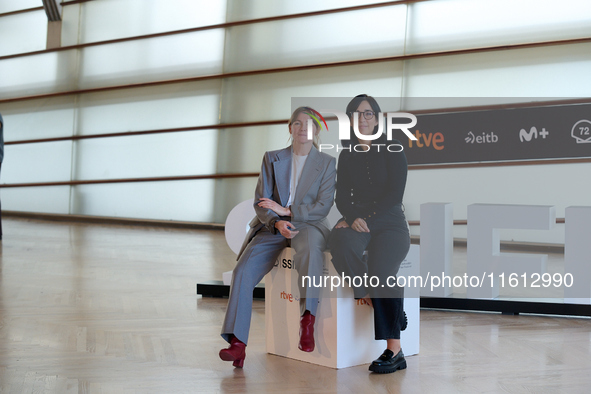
(387, 245)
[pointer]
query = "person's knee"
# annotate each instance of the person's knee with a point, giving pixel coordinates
(340, 242)
(238, 274)
(314, 242)
(334, 239)
(317, 248)
(243, 272)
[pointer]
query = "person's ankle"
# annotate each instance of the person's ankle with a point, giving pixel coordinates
(395, 349)
(394, 345)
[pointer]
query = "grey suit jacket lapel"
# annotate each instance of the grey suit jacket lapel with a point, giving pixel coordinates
(282, 171)
(310, 172)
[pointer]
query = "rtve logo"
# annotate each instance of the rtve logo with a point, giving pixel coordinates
(524, 136)
(288, 296)
(434, 140)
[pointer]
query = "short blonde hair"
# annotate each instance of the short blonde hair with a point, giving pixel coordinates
(308, 111)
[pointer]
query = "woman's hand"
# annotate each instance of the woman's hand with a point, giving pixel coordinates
(286, 229)
(360, 226)
(341, 224)
(273, 206)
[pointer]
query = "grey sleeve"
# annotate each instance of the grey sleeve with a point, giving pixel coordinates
(265, 187)
(320, 208)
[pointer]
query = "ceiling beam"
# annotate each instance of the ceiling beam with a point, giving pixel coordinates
(53, 9)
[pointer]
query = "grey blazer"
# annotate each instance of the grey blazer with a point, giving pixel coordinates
(314, 194)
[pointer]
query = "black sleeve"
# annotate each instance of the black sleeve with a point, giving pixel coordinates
(343, 196)
(397, 169)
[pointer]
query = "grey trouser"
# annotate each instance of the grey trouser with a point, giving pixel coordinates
(258, 259)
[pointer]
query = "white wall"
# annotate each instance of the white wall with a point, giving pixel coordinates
(399, 29)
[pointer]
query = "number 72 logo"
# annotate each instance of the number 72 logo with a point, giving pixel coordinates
(581, 131)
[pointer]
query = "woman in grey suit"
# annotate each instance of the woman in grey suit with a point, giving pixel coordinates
(294, 194)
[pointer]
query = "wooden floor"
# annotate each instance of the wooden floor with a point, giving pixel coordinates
(113, 309)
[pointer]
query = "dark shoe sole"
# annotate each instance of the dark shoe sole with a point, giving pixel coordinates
(404, 323)
(389, 368)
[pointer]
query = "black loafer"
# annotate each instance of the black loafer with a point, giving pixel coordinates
(388, 362)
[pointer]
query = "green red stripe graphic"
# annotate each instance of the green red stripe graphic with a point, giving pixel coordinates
(316, 118)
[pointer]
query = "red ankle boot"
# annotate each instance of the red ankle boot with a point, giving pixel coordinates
(236, 352)
(307, 332)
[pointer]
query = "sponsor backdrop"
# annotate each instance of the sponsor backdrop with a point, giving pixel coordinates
(500, 135)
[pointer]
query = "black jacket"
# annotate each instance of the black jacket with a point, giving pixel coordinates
(370, 183)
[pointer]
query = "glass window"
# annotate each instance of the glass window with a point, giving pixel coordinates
(16, 5)
(169, 57)
(23, 33)
(343, 36)
(557, 71)
(146, 156)
(455, 24)
(111, 19)
(187, 201)
(266, 97)
(150, 108)
(239, 10)
(31, 75)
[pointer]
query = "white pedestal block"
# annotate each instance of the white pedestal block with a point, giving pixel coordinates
(577, 255)
(344, 329)
(227, 278)
(437, 245)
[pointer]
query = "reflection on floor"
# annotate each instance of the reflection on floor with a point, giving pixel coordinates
(113, 309)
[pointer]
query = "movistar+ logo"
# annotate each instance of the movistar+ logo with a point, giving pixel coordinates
(533, 133)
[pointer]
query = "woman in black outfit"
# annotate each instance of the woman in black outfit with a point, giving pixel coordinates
(370, 187)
